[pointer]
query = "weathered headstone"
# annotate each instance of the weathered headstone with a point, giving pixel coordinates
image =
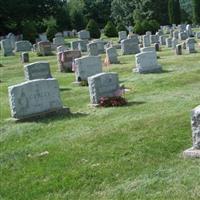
(100, 46)
(23, 45)
(129, 47)
(189, 30)
(198, 35)
(111, 55)
(122, 35)
(103, 85)
(178, 49)
(190, 45)
(93, 49)
(58, 41)
(35, 98)
(37, 70)
(194, 152)
(12, 38)
(154, 39)
(87, 66)
(66, 60)
(174, 43)
(44, 48)
(79, 45)
(6, 47)
(61, 48)
(162, 40)
(24, 57)
(84, 35)
(134, 37)
(175, 34)
(146, 41)
(183, 36)
(169, 42)
(147, 62)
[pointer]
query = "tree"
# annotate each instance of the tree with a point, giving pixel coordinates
(77, 19)
(196, 11)
(174, 11)
(93, 28)
(110, 30)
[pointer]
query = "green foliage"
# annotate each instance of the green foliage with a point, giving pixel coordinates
(77, 19)
(63, 19)
(52, 29)
(93, 28)
(196, 11)
(110, 30)
(41, 27)
(141, 27)
(121, 27)
(29, 31)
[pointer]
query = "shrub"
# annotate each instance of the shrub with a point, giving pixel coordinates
(121, 27)
(51, 31)
(29, 31)
(112, 101)
(110, 30)
(93, 28)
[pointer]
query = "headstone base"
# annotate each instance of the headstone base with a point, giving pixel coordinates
(157, 69)
(56, 112)
(192, 153)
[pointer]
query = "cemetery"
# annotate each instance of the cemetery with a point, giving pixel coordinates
(102, 111)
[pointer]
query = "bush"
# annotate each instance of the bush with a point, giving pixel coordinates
(112, 101)
(121, 27)
(51, 31)
(110, 30)
(145, 25)
(93, 28)
(29, 31)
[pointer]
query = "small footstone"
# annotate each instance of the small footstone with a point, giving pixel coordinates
(192, 153)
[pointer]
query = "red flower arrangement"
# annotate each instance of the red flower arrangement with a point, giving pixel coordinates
(112, 101)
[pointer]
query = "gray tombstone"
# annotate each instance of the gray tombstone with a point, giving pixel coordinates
(24, 57)
(61, 48)
(134, 37)
(190, 45)
(189, 30)
(178, 49)
(198, 35)
(43, 37)
(154, 39)
(66, 60)
(23, 45)
(169, 42)
(146, 41)
(59, 40)
(44, 48)
(84, 35)
(162, 40)
(129, 47)
(111, 54)
(6, 47)
(103, 85)
(174, 43)
(93, 49)
(183, 36)
(12, 38)
(34, 98)
(175, 34)
(100, 46)
(122, 35)
(37, 70)
(79, 45)
(87, 66)
(147, 62)
(194, 152)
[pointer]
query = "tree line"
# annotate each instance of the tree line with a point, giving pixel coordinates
(32, 17)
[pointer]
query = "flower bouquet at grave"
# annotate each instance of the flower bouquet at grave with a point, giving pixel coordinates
(115, 101)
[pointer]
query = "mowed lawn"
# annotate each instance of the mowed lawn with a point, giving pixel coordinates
(130, 152)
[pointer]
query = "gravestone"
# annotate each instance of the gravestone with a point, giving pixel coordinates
(178, 49)
(175, 34)
(129, 47)
(58, 40)
(100, 46)
(87, 66)
(134, 37)
(12, 38)
(111, 55)
(157, 46)
(66, 60)
(61, 49)
(162, 40)
(146, 62)
(169, 42)
(194, 152)
(6, 47)
(37, 70)
(84, 35)
(23, 45)
(154, 39)
(35, 98)
(190, 45)
(189, 30)
(103, 85)
(44, 48)
(183, 36)
(198, 35)
(146, 41)
(43, 37)
(174, 43)
(122, 35)
(24, 57)
(79, 45)
(93, 49)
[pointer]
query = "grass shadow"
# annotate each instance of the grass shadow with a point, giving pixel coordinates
(64, 89)
(134, 103)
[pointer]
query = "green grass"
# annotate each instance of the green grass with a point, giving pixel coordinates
(131, 152)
